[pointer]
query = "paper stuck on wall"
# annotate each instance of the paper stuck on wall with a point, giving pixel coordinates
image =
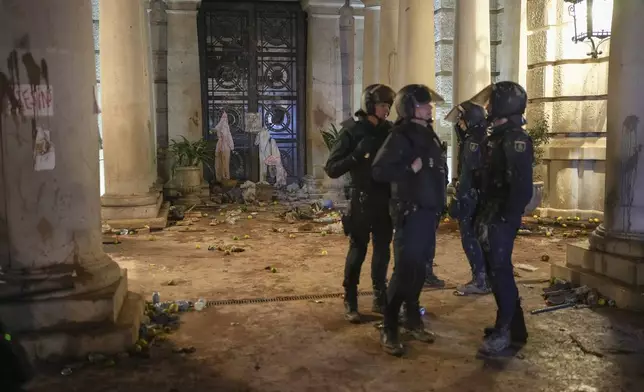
(44, 156)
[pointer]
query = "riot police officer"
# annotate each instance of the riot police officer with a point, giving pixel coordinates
(505, 192)
(470, 126)
(412, 160)
(368, 213)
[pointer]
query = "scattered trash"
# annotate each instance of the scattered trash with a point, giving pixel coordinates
(227, 249)
(545, 258)
(334, 228)
(200, 305)
(526, 267)
(561, 295)
(156, 297)
(184, 350)
(272, 269)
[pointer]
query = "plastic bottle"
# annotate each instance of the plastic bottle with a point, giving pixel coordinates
(200, 305)
(156, 297)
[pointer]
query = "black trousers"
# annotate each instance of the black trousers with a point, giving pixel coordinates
(367, 217)
(414, 240)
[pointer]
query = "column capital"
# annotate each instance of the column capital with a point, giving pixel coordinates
(182, 5)
(331, 8)
(371, 4)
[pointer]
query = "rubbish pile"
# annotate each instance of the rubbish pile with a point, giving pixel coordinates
(160, 320)
(561, 295)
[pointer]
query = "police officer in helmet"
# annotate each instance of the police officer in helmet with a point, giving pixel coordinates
(470, 126)
(505, 192)
(368, 213)
(413, 161)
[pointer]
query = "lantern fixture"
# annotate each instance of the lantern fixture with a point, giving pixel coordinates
(598, 15)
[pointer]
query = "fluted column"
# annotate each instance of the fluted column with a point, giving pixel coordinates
(513, 55)
(415, 48)
(612, 260)
(347, 57)
(371, 45)
(471, 55)
(388, 43)
(128, 133)
(622, 232)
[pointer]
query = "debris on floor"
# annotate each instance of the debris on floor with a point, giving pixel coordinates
(160, 320)
(561, 295)
(526, 267)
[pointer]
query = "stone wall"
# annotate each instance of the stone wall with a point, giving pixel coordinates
(444, 22)
(569, 88)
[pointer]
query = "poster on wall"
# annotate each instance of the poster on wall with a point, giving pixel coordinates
(253, 122)
(44, 155)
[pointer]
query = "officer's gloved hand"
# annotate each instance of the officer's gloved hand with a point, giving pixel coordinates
(364, 148)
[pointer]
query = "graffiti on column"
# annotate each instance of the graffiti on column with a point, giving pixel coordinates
(630, 152)
(32, 101)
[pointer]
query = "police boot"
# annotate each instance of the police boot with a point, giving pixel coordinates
(414, 326)
(518, 330)
(496, 342)
(478, 285)
(351, 306)
(379, 301)
(390, 342)
(432, 280)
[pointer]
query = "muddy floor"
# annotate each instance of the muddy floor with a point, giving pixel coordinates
(305, 345)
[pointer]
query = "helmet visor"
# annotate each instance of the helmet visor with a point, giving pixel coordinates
(482, 98)
(436, 97)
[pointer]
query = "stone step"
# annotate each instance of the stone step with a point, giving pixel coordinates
(77, 340)
(627, 270)
(625, 296)
(99, 306)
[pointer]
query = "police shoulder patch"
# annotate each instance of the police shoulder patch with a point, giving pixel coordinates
(519, 146)
(474, 147)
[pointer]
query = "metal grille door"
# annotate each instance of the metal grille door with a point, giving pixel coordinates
(253, 60)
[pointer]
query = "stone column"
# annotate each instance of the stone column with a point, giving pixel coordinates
(388, 43)
(159, 47)
(184, 77)
(184, 80)
(347, 57)
(324, 81)
(131, 198)
(614, 261)
(56, 277)
(513, 54)
(415, 54)
(371, 43)
(471, 56)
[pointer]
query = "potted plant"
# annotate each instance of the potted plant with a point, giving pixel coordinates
(330, 136)
(538, 131)
(186, 168)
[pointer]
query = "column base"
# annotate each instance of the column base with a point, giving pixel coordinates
(136, 211)
(158, 222)
(554, 212)
(105, 321)
(624, 244)
(618, 278)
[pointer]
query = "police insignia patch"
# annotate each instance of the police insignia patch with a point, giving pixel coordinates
(519, 146)
(473, 147)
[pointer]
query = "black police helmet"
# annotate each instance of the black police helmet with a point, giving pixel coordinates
(505, 99)
(375, 94)
(412, 95)
(472, 114)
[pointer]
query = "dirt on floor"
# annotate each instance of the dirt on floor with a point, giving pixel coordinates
(305, 345)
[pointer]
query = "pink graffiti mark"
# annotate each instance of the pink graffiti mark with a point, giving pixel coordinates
(36, 99)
